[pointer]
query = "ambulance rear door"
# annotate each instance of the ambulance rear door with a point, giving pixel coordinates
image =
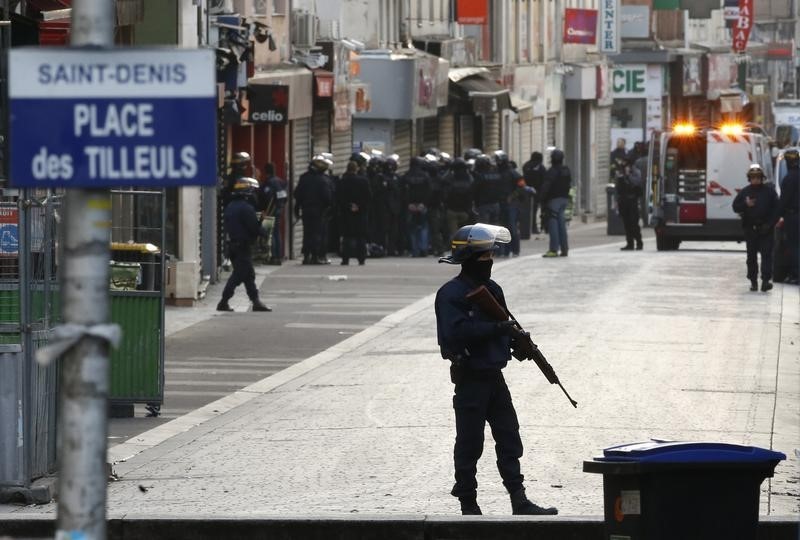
(654, 181)
(729, 157)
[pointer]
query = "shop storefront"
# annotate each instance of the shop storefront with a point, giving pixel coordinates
(277, 128)
(588, 136)
(639, 95)
(477, 102)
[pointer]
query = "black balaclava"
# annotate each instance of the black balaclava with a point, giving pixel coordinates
(479, 271)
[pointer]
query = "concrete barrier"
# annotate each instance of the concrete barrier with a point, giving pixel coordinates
(132, 527)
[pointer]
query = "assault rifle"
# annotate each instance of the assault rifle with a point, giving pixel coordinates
(523, 347)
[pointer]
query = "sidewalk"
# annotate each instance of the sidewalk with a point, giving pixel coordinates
(663, 345)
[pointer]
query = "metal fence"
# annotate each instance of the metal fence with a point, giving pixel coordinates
(29, 308)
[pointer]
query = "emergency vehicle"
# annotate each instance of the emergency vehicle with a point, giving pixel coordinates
(693, 176)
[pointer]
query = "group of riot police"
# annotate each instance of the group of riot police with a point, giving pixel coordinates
(371, 210)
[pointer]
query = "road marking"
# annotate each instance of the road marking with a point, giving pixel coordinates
(241, 384)
(216, 371)
(328, 326)
(346, 313)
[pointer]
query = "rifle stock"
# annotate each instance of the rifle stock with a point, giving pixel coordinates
(523, 348)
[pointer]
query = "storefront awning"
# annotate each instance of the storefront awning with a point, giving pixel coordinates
(300, 83)
(522, 107)
(485, 95)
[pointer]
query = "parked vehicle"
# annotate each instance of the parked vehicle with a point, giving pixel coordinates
(693, 177)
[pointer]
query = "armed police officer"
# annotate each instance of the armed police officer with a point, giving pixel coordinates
(479, 348)
(790, 211)
(242, 228)
(759, 207)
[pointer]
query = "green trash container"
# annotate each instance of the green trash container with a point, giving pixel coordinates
(137, 306)
(660, 490)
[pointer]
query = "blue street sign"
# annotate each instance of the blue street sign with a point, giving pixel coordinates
(9, 239)
(112, 117)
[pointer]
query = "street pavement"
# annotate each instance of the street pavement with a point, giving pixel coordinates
(664, 345)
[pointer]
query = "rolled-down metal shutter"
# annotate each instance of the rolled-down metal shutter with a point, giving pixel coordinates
(491, 133)
(341, 148)
(537, 135)
(301, 155)
(430, 133)
(466, 132)
(602, 135)
(447, 134)
(402, 143)
(525, 140)
(321, 123)
(552, 120)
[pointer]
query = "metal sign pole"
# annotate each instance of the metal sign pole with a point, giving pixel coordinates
(83, 420)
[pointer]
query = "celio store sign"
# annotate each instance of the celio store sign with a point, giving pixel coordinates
(269, 104)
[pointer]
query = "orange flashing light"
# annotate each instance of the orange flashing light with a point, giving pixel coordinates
(732, 129)
(684, 129)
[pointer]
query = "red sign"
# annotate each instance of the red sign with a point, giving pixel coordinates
(741, 32)
(580, 26)
(324, 82)
(472, 11)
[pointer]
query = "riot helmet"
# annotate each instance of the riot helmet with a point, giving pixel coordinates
(792, 158)
(755, 171)
(318, 163)
(361, 158)
(390, 165)
(240, 160)
(472, 153)
(500, 157)
(483, 163)
(246, 188)
(471, 240)
(556, 157)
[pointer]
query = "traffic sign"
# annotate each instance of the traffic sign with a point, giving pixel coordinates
(9, 231)
(112, 117)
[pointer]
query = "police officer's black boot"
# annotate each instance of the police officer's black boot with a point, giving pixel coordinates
(469, 506)
(753, 285)
(223, 306)
(765, 286)
(258, 306)
(521, 506)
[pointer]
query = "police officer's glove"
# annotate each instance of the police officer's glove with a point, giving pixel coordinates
(510, 329)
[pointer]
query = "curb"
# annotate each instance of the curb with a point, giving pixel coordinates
(401, 527)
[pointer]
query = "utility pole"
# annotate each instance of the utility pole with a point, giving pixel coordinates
(83, 403)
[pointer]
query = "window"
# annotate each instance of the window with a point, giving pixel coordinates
(280, 7)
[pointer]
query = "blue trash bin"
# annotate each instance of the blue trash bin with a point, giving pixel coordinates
(682, 490)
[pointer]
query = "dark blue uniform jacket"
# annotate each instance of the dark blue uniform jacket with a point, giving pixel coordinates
(465, 331)
(241, 222)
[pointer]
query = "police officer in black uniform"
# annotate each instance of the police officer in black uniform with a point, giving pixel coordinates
(790, 209)
(352, 200)
(479, 348)
(242, 228)
(313, 196)
(759, 207)
(628, 187)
